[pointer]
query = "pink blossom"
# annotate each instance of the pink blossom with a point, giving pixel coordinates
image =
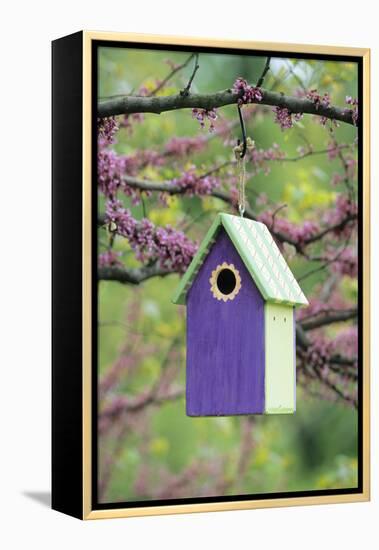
(346, 342)
(261, 157)
(333, 150)
(283, 117)
(145, 157)
(246, 93)
(173, 66)
(299, 234)
(262, 199)
(336, 179)
(106, 130)
(202, 115)
(346, 210)
(346, 263)
(192, 184)
(351, 165)
(170, 248)
(109, 169)
(143, 91)
(109, 258)
(321, 350)
(318, 99)
(318, 353)
(128, 121)
(316, 306)
(183, 146)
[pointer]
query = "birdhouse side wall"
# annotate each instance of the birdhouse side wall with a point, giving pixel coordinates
(280, 375)
(225, 342)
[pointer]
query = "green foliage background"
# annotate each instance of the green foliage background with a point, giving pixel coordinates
(314, 449)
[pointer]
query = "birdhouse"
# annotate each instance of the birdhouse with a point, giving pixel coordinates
(241, 340)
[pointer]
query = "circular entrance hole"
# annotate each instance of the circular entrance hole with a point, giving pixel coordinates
(226, 281)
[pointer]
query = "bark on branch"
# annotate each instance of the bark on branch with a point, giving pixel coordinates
(328, 318)
(133, 276)
(129, 104)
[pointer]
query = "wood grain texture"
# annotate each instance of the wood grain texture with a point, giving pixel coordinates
(225, 342)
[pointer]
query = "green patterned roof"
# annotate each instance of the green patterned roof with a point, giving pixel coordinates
(260, 255)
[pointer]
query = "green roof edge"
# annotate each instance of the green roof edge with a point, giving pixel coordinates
(223, 220)
(186, 281)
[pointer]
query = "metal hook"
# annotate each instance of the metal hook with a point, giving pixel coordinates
(244, 139)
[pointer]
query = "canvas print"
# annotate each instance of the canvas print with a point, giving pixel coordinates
(228, 264)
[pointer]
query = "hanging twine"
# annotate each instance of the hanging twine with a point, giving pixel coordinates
(242, 174)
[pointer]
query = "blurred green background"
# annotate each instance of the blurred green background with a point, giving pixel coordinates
(155, 451)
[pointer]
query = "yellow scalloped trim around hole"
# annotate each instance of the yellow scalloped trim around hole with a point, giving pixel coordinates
(213, 281)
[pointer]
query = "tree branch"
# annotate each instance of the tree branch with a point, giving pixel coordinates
(329, 318)
(185, 92)
(301, 338)
(169, 187)
(170, 75)
(133, 276)
(172, 189)
(337, 227)
(308, 153)
(124, 404)
(139, 104)
(266, 68)
(331, 385)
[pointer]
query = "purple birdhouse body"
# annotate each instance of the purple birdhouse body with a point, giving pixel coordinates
(223, 376)
(240, 297)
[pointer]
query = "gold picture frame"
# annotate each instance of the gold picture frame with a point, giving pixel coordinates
(85, 508)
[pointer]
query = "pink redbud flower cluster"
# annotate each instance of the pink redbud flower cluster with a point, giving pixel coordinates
(192, 184)
(246, 93)
(299, 234)
(345, 210)
(128, 121)
(106, 130)
(346, 342)
(283, 117)
(204, 115)
(183, 146)
(346, 263)
(319, 352)
(170, 248)
(318, 99)
(109, 258)
(260, 157)
(109, 169)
